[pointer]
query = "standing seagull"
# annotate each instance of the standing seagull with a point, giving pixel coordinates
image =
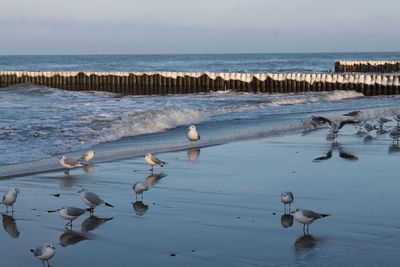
(9, 198)
(87, 156)
(139, 188)
(307, 217)
(44, 253)
(69, 163)
(193, 134)
(92, 200)
(70, 214)
(152, 160)
(287, 198)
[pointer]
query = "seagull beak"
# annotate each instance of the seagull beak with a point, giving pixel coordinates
(292, 212)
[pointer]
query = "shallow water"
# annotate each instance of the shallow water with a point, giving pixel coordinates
(220, 206)
(41, 123)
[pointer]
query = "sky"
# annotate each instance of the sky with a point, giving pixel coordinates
(43, 27)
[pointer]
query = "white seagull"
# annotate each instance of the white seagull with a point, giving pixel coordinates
(139, 188)
(9, 198)
(44, 253)
(152, 160)
(307, 217)
(88, 156)
(69, 163)
(92, 200)
(70, 213)
(193, 134)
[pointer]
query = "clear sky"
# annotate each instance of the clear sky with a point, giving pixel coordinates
(197, 26)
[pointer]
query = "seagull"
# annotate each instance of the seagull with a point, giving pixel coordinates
(307, 217)
(310, 124)
(87, 156)
(92, 200)
(69, 163)
(287, 198)
(44, 253)
(9, 198)
(70, 213)
(335, 128)
(139, 188)
(152, 160)
(193, 134)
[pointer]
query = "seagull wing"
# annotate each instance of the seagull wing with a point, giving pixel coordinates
(157, 160)
(323, 120)
(75, 211)
(72, 162)
(93, 198)
(311, 214)
(38, 251)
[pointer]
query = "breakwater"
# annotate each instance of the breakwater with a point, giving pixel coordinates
(367, 66)
(161, 83)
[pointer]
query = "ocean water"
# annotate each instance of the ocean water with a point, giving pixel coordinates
(40, 122)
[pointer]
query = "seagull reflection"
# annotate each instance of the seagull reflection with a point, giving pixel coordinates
(393, 148)
(153, 179)
(287, 220)
(10, 226)
(305, 242)
(140, 208)
(92, 222)
(342, 153)
(193, 154)
(89, 169)
(70, 237)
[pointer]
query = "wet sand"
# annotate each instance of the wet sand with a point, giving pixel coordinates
(219, 206)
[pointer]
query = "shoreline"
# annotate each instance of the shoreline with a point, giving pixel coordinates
(220, 205)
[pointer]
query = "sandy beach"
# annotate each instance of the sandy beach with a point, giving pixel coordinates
(218, 206)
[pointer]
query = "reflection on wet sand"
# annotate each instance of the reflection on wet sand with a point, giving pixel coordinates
(89, 169)
(305, 242)
(153, 179)
(193, 154)
(10, 226)
(92, 222)
(393, 148)
(342, 153)
(70, 237)
(287, 220)
(140, 208)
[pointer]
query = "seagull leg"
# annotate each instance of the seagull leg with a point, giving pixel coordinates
(136, 197)
(304, 229)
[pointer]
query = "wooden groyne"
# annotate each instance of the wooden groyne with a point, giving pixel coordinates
(367, 66)
(162, 83)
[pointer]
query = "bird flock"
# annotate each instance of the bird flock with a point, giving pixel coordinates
(91, 199)
(364, 127)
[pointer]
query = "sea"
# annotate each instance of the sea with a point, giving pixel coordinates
(42, 123)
